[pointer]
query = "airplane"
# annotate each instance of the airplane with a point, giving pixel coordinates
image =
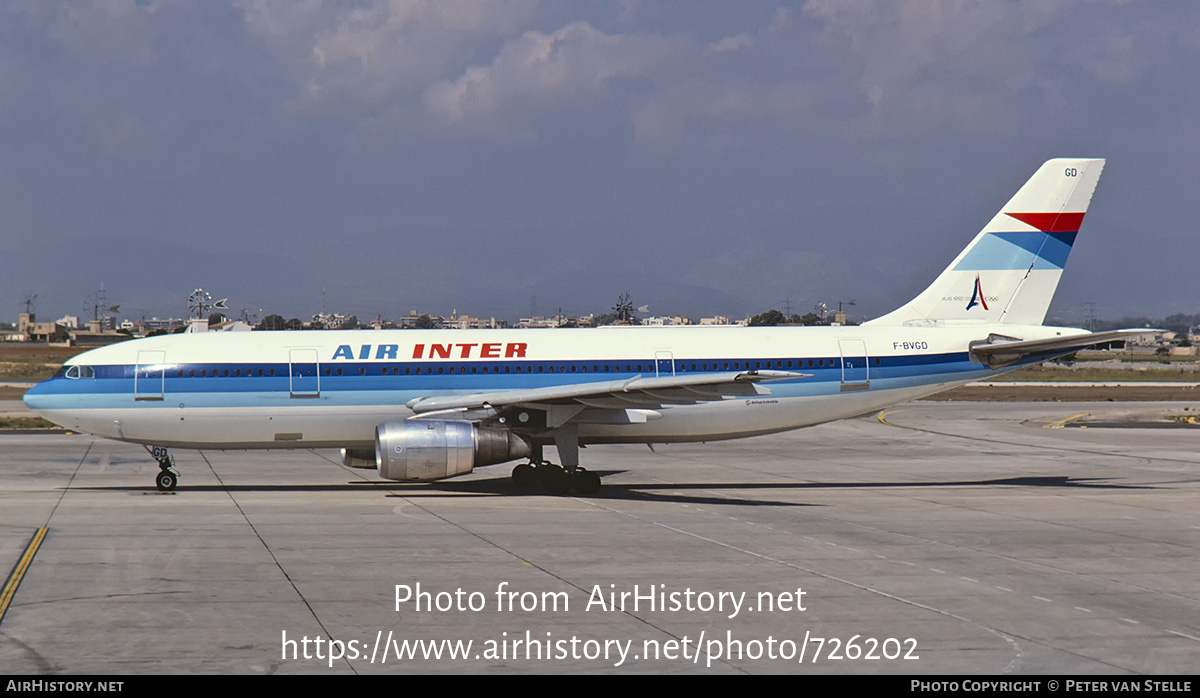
(421, 405)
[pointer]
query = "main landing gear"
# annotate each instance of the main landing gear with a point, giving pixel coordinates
(554, 478)
(557, 479)
(167, 478)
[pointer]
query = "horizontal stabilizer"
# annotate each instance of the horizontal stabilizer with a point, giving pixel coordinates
(998, 351)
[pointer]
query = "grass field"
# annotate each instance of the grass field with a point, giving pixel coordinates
(1100, 374)
(32, 362)
(26, 423)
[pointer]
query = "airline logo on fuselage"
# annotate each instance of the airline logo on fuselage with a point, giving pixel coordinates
(455, 350)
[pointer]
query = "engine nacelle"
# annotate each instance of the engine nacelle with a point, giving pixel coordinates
(430, 449)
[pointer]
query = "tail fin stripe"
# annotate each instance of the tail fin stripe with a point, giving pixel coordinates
(1050, 222)
(1008, 251)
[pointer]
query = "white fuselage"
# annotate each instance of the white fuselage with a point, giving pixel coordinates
(332, 388)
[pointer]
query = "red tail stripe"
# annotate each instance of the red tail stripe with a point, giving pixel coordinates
(1051, 222)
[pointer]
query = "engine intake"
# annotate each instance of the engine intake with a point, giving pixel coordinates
(429, 449)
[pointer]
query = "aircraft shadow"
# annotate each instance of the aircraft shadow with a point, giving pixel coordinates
(659, 492)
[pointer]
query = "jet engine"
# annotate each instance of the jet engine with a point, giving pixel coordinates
(430, 449)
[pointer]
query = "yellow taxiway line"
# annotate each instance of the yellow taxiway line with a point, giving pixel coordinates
(1063, 422)
(18, 572)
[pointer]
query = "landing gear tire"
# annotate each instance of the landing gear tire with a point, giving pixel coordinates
(585, 481)
(166, 481)
(524, 476)
(554, 478)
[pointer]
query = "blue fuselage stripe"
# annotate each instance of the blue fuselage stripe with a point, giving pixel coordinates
(355, 383)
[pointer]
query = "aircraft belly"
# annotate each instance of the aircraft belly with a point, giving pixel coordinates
(314, 426)
(731, 419)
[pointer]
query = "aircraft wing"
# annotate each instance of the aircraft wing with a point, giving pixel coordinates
(636, 392)
(998, 351)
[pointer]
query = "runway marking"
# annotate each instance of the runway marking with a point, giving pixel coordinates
(1004, 589)
(882, 416)
(1039, 598)
(1127, 620)
(19, 570)
(970, 580)
(1190, 637)
(1063, 422)
(937, 570)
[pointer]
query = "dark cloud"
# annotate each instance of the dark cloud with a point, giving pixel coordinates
(443, 153)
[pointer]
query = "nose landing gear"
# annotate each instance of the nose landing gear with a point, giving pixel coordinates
(167, 478)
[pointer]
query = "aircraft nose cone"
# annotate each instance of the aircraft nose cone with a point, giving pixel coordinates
(35, 397)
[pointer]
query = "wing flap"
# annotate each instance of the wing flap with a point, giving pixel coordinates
(638, 391)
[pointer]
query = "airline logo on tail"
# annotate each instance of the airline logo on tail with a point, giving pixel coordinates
(977, 297)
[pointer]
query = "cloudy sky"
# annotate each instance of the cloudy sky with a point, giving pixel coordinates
(379, 156)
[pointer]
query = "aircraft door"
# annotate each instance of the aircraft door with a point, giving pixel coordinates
(664, 363)
(304, 373)
(855, 372)
(149, 376)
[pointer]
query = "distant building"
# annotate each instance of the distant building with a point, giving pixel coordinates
(34, 331)
(465, 322)
(669, 320)
(335, 321)
(413, 320)
(721, 320)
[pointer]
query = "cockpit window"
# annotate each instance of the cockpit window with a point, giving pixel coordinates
(77, 371)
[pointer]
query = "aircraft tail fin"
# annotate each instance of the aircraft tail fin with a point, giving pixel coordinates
(1009, 272)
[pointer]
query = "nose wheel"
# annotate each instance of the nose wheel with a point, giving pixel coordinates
(167, 478)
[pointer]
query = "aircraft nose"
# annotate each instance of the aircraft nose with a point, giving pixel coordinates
(35, 397)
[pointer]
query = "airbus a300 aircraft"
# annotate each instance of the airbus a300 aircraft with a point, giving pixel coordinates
(432, 404)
